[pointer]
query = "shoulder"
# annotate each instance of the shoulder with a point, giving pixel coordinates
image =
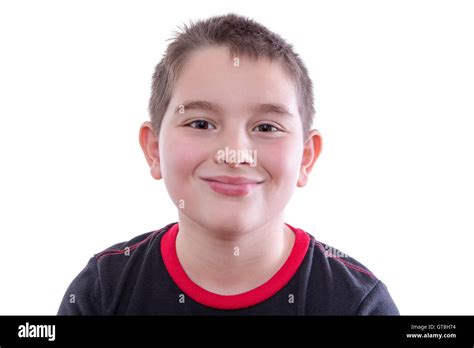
(341, 285)
(93, 290)
(137, 244)
(340, 266)
(121, 260)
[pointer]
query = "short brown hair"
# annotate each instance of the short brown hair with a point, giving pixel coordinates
(242, 36)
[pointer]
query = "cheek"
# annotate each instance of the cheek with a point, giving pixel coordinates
(281, 161)
(179, 158)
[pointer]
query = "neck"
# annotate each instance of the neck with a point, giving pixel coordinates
(232, 263)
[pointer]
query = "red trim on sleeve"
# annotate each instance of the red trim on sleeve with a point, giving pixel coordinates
(243, 300)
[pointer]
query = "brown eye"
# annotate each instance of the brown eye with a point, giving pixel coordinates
(200, 124)
(267, 128)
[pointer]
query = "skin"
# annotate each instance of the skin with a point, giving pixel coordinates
(213, 225)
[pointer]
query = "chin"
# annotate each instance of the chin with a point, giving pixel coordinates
(231, 224)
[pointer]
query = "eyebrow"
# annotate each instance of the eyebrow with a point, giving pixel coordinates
(198, 105)
(274, 108)
(271, 108)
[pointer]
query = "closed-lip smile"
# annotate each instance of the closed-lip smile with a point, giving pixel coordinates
(232, 185)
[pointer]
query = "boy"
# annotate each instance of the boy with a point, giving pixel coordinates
(230, 134)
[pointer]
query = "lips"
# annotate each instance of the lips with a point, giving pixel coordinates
(232, 186)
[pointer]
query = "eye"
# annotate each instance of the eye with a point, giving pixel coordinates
(200, 124)
(267, 128)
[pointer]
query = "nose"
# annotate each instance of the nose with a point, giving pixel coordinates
(234, 158)
(234, 149)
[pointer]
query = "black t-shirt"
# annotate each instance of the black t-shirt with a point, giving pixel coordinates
(144, 277)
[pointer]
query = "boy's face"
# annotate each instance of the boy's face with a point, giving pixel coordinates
(189, 153)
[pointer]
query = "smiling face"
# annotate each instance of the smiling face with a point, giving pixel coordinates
(222, 110)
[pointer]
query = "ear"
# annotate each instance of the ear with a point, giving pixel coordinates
(312, 149)
(150, 146)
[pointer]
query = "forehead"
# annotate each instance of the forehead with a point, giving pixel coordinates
(214, 75)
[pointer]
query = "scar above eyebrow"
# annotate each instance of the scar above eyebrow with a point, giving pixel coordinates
(265, 108)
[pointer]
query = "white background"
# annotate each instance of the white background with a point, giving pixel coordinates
(394, 88)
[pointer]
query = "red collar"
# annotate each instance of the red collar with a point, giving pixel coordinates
(246, 299)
